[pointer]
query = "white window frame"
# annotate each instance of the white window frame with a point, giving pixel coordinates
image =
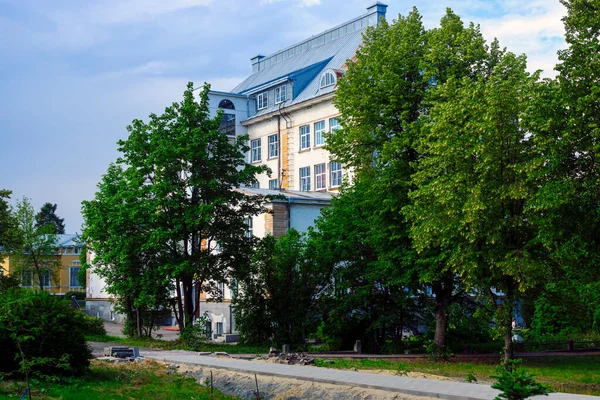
(249, 227)
(334, 124)
(273, 146)
(262, 100)
(319, 133)
(273, 184)
(320, 176)
(46, 278)
(335, 175)
(71, 268)
(305, 179)
(255, 150)
(327, 79)
(305, 137)
(280, 94)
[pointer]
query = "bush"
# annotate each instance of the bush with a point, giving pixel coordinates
(516, 384)
(78, 295)
(41, 335)
(92, 326)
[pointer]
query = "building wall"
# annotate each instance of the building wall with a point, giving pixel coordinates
(292, 157)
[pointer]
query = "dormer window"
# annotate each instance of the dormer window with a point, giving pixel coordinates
(327, 79)
(262, 100)
(280, 94)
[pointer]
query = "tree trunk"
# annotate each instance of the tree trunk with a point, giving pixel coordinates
(179, 311)
(509, 352)
(443, 298)
(139, 322)
(188, 299)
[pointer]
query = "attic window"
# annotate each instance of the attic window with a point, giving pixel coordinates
(262, 100)
(327, 79)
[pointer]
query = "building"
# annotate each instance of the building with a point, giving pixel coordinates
(285, 107)
(68, 252)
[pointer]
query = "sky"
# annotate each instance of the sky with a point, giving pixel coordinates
(75, 73)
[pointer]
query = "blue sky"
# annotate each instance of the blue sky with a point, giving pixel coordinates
(74, 73)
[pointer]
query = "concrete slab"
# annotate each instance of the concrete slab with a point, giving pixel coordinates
(413, 386)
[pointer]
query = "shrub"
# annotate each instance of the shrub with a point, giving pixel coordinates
(41, 335)
(92, 326)
(516, 384)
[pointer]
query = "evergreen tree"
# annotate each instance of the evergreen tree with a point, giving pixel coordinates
(47, 216)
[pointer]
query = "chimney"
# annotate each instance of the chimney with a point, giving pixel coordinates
(378, 8)
(255, 62)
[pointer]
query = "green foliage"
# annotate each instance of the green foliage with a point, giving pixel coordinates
(196, 336)
(47, 217)
(78, 295)
(163, 209)
(41, 335)
(277, 296)
(35, 258)
(90, 325)
(517, 384)
(8, 225)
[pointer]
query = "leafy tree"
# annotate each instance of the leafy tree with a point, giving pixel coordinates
(8, 226)
(35, 258)
(473, 186)
(118, 232)
(184, 173)
(517, 384)
(47, 216)
(370, 296)
(277, 297)
(384, 98)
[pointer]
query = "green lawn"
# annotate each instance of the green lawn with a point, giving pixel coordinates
(146, 380)
(577, 374)
(176, 345)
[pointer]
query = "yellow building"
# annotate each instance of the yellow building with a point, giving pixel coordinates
(68, 254)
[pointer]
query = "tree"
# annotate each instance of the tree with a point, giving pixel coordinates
(118, 232)
(185, 174)
(474, 187)
(278, 295)
(35, 258)
(47, 216)
(384, 99)
(8, 226)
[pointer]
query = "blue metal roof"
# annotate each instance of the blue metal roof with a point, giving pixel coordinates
(303, 63)
(69, 240)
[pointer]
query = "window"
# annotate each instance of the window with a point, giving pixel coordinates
(273, 146)
(334, 124)
(219, 328)
(255, 152)
(255, 185)
(327, 79)
(320, 177)
(273, 184)
(319, 133)
(262, 100)
(226, 104)
(335, 169)
(74, 276)
(249, 227)
(304, 137)
(280, 94)
(45, 278)
(26, 278)
(305, 179)
(227, 125)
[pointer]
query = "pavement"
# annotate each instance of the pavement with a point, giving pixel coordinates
(413, 386)
(114, 329)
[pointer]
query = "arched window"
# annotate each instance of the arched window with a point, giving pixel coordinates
(228, 120)
(327, 79)
(226, 104)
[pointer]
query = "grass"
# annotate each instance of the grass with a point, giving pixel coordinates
(177, 345)
(146, 380)
(577, 374)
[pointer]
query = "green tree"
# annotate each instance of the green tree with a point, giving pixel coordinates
(8, 225)
(118, 232)
(185, 174)
(47, 216)
(474, 188)
(36, 257)
(278, 295)
(384, 99)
